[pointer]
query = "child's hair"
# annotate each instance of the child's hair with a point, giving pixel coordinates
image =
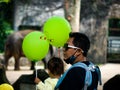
(56, 66)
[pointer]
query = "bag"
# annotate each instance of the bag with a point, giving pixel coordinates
(88, 77)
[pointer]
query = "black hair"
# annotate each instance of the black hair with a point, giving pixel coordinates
(80, 40)
(56, 66)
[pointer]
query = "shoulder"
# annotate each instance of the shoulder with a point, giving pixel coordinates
(79, 67)
(76, 72)
(51, 80)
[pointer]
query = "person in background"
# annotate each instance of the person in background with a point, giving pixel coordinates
(55, 70)
(83, 74)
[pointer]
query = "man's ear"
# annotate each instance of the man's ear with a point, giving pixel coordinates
(79, 51)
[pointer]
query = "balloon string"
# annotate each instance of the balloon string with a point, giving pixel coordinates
(36, 68)
(36, 72)
(58, 52)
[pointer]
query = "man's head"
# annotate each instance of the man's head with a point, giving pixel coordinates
(77, 45)
(80, 40)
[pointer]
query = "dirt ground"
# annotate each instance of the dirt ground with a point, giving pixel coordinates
(107, 70)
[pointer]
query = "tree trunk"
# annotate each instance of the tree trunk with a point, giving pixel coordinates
(72, 13)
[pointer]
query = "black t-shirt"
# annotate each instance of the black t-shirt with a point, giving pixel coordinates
(75, 77)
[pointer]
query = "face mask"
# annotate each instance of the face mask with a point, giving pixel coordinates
(70, 60)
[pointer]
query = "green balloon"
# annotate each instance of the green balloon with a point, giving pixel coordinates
(35, 46)
(57, 30)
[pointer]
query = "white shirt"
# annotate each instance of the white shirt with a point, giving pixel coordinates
(49, 84)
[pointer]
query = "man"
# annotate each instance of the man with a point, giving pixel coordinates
(75, 52)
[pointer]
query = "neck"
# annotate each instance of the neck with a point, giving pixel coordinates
(80, 59)
(54, 76)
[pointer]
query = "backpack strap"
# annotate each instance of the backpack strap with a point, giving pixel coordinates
(93, 67)
(99, 75)
(88, 76)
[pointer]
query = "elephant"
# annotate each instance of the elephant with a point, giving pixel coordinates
(13, 47)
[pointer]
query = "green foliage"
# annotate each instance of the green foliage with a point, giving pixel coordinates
(5, 26)
(5, 30)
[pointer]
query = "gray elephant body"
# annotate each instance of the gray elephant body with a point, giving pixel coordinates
(13, 47)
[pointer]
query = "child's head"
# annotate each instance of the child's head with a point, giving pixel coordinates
(56, 66)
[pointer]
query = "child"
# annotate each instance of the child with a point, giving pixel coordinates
(55, 70)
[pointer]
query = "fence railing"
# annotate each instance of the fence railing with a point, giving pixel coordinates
(113, 45)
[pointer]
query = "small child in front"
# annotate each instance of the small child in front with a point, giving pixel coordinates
(55, 70)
